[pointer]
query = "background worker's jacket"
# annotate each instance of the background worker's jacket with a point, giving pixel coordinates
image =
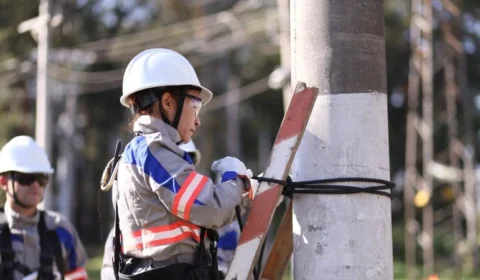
(163, 201)
(26, 243)
(227, 244)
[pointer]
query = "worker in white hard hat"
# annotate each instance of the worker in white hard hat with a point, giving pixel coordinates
(34, 244)
(227, 240)
(164, 206)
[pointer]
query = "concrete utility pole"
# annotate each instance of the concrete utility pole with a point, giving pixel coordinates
(338, 46)
(43, 128)
(66, 160)
(43, 115)
(67, 123)
(43, 118)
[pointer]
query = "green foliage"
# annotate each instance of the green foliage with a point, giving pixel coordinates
(14, 117)
(94, 266)
(106, 121)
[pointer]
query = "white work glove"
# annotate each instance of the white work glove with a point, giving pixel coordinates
(231, 164)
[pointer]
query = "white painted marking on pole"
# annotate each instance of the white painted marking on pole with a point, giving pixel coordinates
(347, 136)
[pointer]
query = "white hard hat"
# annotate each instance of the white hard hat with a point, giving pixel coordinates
(159, 68)
(189, 147)
(23, 155)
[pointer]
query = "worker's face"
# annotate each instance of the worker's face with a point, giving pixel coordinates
(189, 121)
(28, 188)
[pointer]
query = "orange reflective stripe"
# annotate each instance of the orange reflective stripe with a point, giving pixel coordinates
(182, 191)
(191, 200)
(189, 191)
(160, 235)
(175, 239)
(78, 274)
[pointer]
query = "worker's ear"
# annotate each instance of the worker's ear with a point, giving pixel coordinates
(3, 182)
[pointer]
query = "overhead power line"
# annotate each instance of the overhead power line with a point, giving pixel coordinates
(243, 93)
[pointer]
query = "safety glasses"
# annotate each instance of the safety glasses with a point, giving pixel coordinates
(28, 179)
(196, 103)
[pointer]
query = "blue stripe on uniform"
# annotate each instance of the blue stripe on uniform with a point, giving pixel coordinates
(16, 238)
(138, 153)
(228, 241)
(188, 158)
(66, 238)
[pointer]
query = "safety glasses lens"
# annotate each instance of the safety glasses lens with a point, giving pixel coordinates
(196, 105)
(28, 179)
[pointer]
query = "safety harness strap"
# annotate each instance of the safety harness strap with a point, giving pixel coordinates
(117, 256)
(50, 247)
(7, 256)
(49, 250)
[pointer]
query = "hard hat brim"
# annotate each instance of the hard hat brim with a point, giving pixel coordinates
(206, 95)
(49, 171)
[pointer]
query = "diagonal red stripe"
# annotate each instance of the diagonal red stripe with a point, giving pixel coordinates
(262, 206)
(295, 121)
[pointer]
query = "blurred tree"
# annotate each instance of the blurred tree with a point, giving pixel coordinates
(15, 117)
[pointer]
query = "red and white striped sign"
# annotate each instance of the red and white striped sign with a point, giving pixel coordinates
(263, 206)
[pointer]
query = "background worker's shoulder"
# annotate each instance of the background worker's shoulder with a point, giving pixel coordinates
(55, 220)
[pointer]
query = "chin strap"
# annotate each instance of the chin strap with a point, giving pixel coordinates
(14, 194)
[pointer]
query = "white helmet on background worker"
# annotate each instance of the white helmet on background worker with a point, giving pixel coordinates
(190, 148)
(160, 68)
(22, 154)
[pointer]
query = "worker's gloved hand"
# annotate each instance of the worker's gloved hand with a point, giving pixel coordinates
(227, 164)
(229, 168)
(254, 189)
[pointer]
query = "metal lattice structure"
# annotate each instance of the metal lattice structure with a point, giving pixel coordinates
(437, 97)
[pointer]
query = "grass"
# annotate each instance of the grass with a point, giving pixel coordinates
(399, 271)
(93, 267)
(95, 263)
(447, 274)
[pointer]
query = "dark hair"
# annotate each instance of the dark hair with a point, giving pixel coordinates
(175, 91)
